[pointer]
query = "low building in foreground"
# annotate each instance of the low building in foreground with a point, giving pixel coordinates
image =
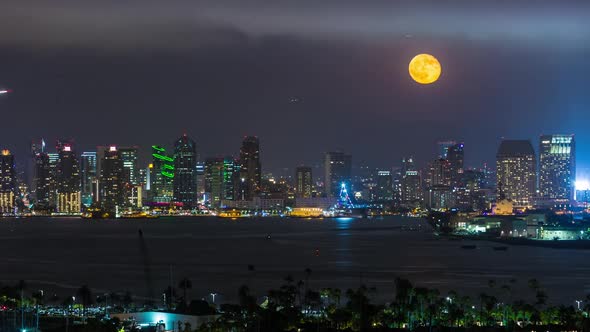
(164, 321)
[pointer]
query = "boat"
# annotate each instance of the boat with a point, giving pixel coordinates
(468, 246)
(500, 248)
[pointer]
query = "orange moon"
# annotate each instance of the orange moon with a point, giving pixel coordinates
(425, 69)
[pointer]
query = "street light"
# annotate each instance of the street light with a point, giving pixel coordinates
(579, 302)
(213, 297)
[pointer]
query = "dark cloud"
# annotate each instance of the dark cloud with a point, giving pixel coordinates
(187, 24)
(143, 72)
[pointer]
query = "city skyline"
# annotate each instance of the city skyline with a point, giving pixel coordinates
(338, 84)
(430, 152)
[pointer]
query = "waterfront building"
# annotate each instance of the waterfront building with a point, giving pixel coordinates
(221, 181)
(303, 182)
(383, 190)
(185, 172)
(68, 180)
(250, 167)
(337, 170)
(129, 160)
(112, 198)
(88, 175)
(162, 175)
(42, 178)
(516, 172)
(8, 183)
(557, 167)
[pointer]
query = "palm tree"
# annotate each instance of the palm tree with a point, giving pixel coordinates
(184, 285)
(21, 287)
(307, 274)
(85, 295)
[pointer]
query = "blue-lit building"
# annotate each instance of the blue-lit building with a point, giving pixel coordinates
(557, 167)
(88, 167)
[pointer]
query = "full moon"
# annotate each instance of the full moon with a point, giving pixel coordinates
(425, 69)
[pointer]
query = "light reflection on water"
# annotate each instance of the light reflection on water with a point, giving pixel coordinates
(216, 254)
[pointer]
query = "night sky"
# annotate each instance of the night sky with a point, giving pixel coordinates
(143, 72)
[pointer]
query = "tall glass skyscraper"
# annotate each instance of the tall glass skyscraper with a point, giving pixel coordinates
(162, 175)
(111, 181)
(303, 182)
(221, 180)
(516, 172)
(88, 176)
(129, 160)
(337, 170)
(250, 167)
(68, 180)
(455, 157)
(42, 177)
(53, 160)
(185, 172)
(557, 167)
(8, 188)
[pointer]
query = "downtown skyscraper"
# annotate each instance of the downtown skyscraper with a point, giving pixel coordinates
(8, 188)
(303, 182)
(42, 177)
(68, 180)
(337, 171)
(455, 157)
(161, 176)
(516, 172)
(185, 172)
(250, 167)
(222, 182)
(111, 181)
(88, 177)
(557, 167)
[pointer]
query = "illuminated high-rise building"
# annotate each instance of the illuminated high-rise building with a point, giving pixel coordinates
(42, 177)
(162, 175)
(67, 180)
(439, 173)
(384, 186)
(221, 180)
(455, 157)
(303, 182)
(250, 167)
(8, 185)
(439, 194)
(516, 172)
(112, 196)
(200, 171)
(129, 160)
(443, 148)
(88, 175)
(411, 184)
(185, 172)
(53, 160)
(337, 170)
(557, 167)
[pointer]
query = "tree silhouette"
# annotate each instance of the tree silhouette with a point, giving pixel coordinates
(85, 295)
(185, 284)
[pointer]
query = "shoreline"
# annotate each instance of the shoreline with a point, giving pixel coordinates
(559, 244)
